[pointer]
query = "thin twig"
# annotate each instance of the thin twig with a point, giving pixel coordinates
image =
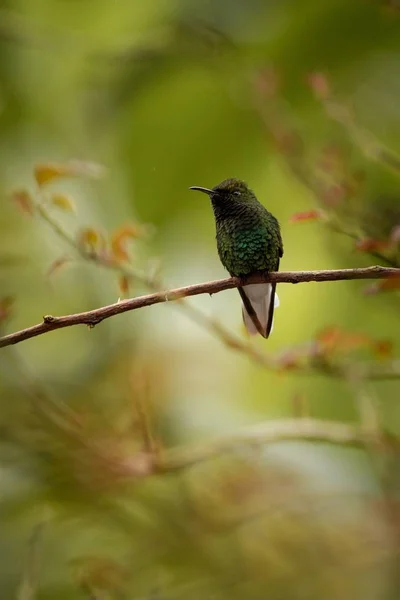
(93, 317)
(280, 130)
(306, 429)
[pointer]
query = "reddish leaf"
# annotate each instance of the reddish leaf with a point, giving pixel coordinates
(371, 245)
(309, 215)
(56, 265)
(24, 201)
(383, 348)
(390, 283)
(120, 239)
(334, 338)
(329, 337)
(47, 172)
(384, 285)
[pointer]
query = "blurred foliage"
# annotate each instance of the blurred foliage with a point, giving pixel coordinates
(300, 99)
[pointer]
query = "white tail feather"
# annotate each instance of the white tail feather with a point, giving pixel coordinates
(259, 296)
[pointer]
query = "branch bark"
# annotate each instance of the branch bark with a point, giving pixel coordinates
(93, 317)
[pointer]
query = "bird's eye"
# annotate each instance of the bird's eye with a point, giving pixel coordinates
(236, 193)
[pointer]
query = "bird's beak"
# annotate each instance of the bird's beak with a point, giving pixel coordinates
(202, 189)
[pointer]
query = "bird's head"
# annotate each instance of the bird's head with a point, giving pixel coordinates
(228, 192)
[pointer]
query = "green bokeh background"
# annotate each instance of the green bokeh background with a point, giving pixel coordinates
(160, 93)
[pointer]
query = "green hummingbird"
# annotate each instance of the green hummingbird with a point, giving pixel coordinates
(248, 241)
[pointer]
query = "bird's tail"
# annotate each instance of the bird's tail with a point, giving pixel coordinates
(259, 301)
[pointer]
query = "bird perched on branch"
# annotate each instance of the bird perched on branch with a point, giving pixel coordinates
(248, 241)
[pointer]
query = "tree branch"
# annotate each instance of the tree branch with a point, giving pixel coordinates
(302, 429)
(93, 317)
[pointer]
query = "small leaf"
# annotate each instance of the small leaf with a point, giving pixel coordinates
(120, 238)
(309, 215)
(91, 238)
(57, 264)
(6, 304)
(371, 245)
(44, 173)
(383, 348)
(329, 337)
(47, 172)
(334, 338)
(24, 201)
(64, 202)
(390, 283)
(383, 285)
(124, 285)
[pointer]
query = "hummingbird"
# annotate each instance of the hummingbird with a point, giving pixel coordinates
(248, 241)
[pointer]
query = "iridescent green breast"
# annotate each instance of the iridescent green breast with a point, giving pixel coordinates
(249, 245)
